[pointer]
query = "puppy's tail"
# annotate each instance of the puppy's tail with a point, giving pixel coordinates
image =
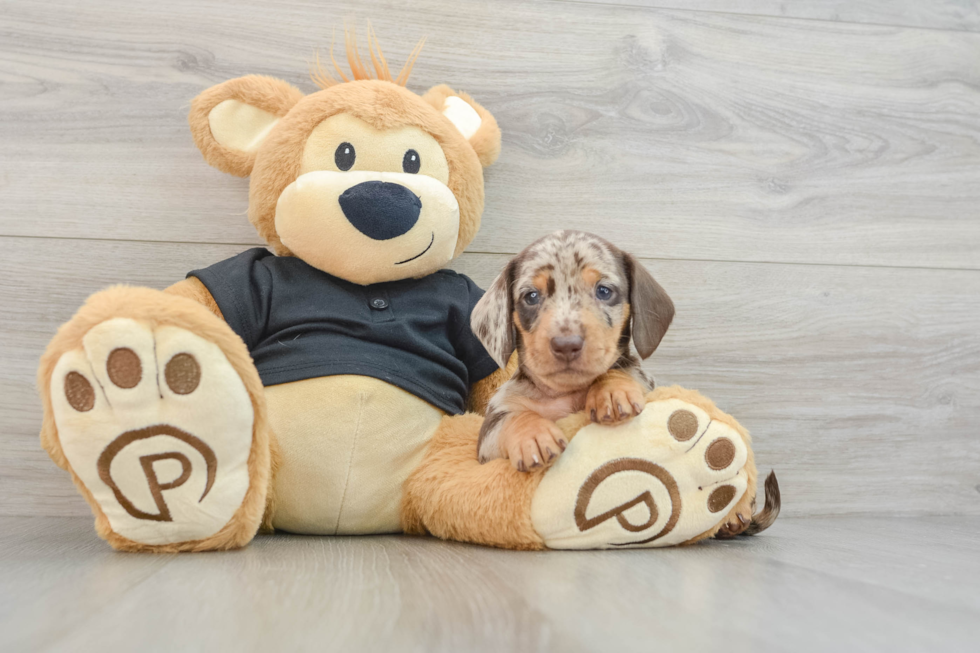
(770, 509)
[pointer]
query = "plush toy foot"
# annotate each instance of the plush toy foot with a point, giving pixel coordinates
(675, 474)
(669, 476)
(157, 427)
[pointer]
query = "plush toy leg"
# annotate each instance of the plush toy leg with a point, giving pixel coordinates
(153, 405)
(452, 496)
(674, 475)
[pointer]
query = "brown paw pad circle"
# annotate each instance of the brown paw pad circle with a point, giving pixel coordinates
(721, 497)
(79, 392)
(183, 374)
(124, 368)
(720, 454)
(682, 425)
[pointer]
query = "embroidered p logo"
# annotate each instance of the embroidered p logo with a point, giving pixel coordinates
(147, 462)
(658, 475)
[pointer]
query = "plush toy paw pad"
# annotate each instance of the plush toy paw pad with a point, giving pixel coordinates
(158, 427)
(670, 474)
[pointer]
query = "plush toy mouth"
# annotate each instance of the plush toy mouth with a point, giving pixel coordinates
(367, 227)
(428, 247)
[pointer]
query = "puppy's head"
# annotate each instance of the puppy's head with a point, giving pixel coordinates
(570, 304)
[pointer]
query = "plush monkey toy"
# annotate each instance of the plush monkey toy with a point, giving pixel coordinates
(323, 387)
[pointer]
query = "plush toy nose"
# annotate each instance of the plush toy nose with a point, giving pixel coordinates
(567, 348)
(381, 210)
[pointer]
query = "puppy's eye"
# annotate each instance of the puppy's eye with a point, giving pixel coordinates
(411, 162)
(532, 298)
(344, 156)
(603, 293)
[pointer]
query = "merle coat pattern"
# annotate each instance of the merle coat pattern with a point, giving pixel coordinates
(570, 305)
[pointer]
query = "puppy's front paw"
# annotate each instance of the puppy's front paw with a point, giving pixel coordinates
(531, 441)
(614, 397)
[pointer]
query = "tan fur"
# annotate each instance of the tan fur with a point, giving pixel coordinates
(614, 398)
(156, 308)
(358, 69)
(454, 497)
(486, 140)
(192, 288)
(540, 281)
(266, 93)
(604, 338)
(598, 355)
(530, 440)
(536, 354)
(482, 390)
(591, 276)
(383, 105)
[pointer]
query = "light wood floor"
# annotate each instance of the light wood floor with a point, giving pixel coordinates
(803, 176)
(818, 584)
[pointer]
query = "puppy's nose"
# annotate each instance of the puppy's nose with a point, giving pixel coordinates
(567, 347)
(381, 210)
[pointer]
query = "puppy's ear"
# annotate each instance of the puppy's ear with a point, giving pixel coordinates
(492, 319)
(229, 121)
(651, 309)
(475, 123)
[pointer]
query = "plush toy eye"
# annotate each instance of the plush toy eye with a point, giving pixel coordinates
(411, 162)
(532, 298)
(344, 156)
(603, 293)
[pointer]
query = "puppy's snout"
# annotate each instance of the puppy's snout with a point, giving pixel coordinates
(567, 348)
(381, 210)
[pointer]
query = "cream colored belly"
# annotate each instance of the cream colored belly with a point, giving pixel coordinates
(347, 443)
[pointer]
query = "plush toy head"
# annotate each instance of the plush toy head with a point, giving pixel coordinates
(363, 179)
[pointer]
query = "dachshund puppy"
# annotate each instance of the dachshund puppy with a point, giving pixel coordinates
(569, 304)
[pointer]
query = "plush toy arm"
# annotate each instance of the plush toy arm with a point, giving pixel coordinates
(482, 390)
(192, 288)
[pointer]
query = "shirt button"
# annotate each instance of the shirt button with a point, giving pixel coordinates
(379, 304)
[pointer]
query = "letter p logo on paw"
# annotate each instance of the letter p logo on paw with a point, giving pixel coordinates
(667, 476)
(157, 425)
(147, 461)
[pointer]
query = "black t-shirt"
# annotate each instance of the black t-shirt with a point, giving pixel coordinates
(300, 323)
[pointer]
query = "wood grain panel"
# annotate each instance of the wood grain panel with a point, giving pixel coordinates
(56, 574)
(690, 135)
(881, 584)
(861, 385)
(935, 14)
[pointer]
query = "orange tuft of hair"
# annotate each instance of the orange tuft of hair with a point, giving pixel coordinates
(358, 69)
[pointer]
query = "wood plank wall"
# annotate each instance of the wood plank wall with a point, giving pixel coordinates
(803, 178)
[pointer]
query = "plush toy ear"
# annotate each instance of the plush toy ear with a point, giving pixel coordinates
(473, 121)
(492, 319)
(651, 309)
(230, 120)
